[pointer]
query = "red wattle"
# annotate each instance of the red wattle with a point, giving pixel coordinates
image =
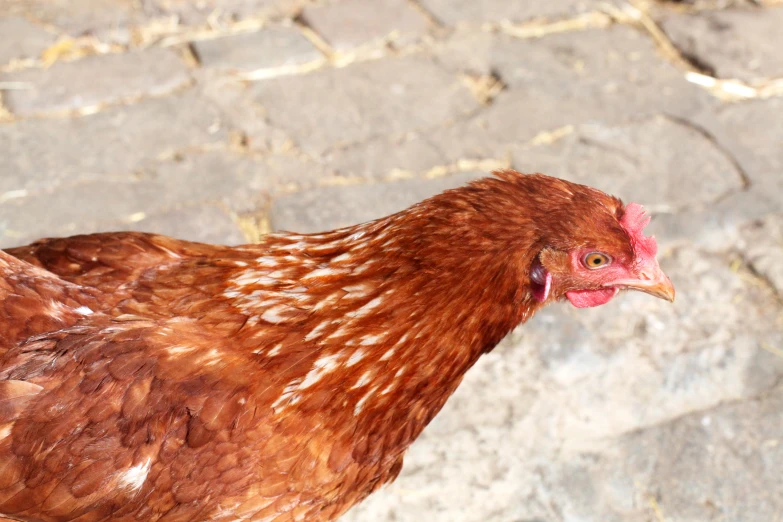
(590, 298)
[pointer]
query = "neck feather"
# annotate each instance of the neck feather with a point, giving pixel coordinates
(380, 321)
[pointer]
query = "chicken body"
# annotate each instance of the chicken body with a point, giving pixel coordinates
(146, 378)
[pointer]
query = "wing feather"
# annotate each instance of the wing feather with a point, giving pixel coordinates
(34, 301)
(108, 260)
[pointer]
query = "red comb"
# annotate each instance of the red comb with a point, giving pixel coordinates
(633, 221)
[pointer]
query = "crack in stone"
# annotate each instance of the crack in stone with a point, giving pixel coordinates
(402, 136)
(6, 116)
(753, 276)
(89, 110)
(639, 18)
(732, 90)
(318, 41)
(423, 11)
(253, 224)
(270, 73)
(735, 163)
(635, 14)
(541, 28)
(484, 87)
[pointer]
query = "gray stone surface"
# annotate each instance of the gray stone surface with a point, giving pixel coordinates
(739, 43)
(352, 23)
(71, 207)
(328, 208)
(113, 19)
(77, 18)
(719, 226)
(637, 411)
(763, 249)
(751, 133)
(607, 75)
(269, 48)
(22, 39)
(153, 190)
(204, 223)
(96, 80)
(427, 152)
(240, 110)
(662, 163)
(41, 154)
(191, 12)
(365, 100)
(472, 11)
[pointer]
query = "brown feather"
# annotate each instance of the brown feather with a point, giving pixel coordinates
(146, 378)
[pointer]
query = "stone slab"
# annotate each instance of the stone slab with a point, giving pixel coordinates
(763, 249)
(96, 80)
(751, 132)
(452, 12)
(236, 101)
(351, 23)
(78, 18)
(736, 43)
(333, 108)
(196, 13)
(22, 39)
(153, 195)
(203, 223)
(428, 152)
(40, 154)
(268, 48)
(661, 163)
(327, 208)
(611, 75)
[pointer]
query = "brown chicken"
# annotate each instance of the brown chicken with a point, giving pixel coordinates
(146, 378)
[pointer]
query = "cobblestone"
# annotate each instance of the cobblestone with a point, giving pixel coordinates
(428, 152)
(751, 133)
(352, 23)
(764, 248)
(395, 93)
(207, 223)
(327, 208)
(739, 43)
(257, 50)
(198, 12)
(40, 154)
(468, 11)
(644, 161)
(21, 39)
(313, 114)
(606, 75)
(96, 80)
(77, 18)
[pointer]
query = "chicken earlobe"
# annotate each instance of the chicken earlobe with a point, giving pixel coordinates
(541, 281)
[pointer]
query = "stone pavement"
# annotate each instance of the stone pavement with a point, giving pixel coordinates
(219, 120)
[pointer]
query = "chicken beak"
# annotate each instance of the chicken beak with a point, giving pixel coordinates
(653, 282)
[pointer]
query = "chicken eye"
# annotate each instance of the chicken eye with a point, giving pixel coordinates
(597, 260)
